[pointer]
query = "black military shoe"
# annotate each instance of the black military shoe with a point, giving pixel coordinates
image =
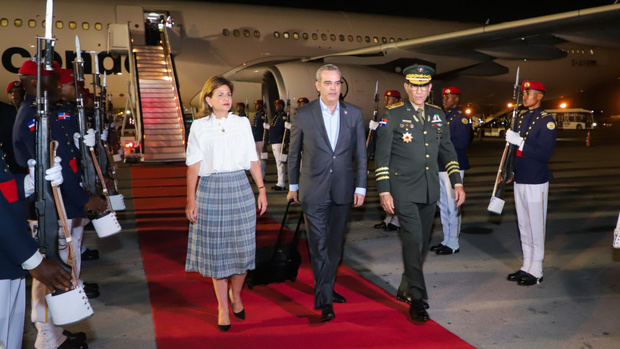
(444, 250)
(327, 313)
(529, 280)
(392, 227)
(90, 255)
(338, 298)
(380, 226)
(76, 336)
(417, 310)
(516, 275)
(435, 247)
(73, 344)
(278, 188)
(407, 299)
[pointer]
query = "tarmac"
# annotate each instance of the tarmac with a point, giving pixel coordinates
(577, 305)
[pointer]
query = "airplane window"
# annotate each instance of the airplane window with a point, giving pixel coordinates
(367, 38)
(285, 35)
(341, 37)
(296, 36)
(315, 36)
(18, 22)
(384, 39)
(98, 26)
(85, 25)
(305, 36)
(276, 35)
(332, 37)
(375, 39)
(256, 34)
(32, 23)
(358, 38)
(72, 25)
(392, 40)
(59, 24)
(591, 51)
(225, 32)
(236, 33)
(350, 38)
(399, 39)
(4, 22)
(324, 37)
(246, 33)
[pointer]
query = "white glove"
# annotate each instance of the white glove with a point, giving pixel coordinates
(54, 173)
(29, 179)
(76, 140)
(89, 138)
(513, 138)
(265, 125)
(31, 164)
(287, 125)
(104, 135)
(373, 125)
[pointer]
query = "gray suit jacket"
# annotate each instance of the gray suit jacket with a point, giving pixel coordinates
(327, 174)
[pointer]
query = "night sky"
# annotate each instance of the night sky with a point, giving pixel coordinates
(465, 11)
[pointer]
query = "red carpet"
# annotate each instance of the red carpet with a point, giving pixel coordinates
(279, 315)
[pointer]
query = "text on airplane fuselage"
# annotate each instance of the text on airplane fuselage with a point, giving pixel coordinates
(103, 56)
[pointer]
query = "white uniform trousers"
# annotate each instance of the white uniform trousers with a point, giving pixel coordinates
(259, 150)
(12, 312)
(280, 166)
(450, 216)
(49, 335)
(531, 205)
(391, 218)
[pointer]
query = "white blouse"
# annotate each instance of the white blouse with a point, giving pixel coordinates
(222, 145)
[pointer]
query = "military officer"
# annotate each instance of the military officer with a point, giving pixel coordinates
(410, 139)
(276, 133)
(301, 101)
(390, 223)
(258, 131)
(240, 109)
(534, 136)
(460, 135)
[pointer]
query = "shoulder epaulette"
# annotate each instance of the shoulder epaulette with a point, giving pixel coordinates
(432, 105)
(395, 105)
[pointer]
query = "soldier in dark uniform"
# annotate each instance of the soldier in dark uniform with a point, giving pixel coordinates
(460, 135)
(301, 101)
(19, 254)
(276, 133)
(535, 137)
(258, 131)
(410, 140)
(15, 92)
(240, 109)
(390, 222)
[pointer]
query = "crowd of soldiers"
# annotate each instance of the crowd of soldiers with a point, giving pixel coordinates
(20, 237)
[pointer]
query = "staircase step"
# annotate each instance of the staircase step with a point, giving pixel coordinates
(175, 144)
(146, 110)
(171, 122)
(170, 138)
(162, 131)
(164, 157)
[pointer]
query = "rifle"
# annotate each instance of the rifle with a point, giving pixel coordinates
(47, 233)
(264, 152)
(285, 139)
(371, 140)
(504, 172)
(101, 158)
(89, 181)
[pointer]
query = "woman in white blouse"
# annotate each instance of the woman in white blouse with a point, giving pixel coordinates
(220, 202)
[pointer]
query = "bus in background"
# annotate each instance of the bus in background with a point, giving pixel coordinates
(573, 118)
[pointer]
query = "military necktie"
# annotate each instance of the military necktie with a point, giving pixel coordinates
(420, 114)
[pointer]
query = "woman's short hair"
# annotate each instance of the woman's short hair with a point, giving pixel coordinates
(325, 67)
(210, 85)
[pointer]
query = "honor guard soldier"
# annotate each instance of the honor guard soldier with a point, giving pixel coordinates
(534, 136)
(410, 139)
(258, 131)
(48, 335)
(460, 135)
(240, 109)
(19, 253)
(301, 101)
(276, 133)
(390, 223)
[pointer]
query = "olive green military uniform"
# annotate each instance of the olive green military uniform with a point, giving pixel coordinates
(408, 146)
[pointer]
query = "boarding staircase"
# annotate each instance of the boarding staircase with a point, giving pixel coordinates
(162, 118)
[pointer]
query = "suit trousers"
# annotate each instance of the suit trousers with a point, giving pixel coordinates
(531, 205)
(259, 150)
(450, 216)
(280, 166)
(12, 312)
(416, 221)
(326, 224)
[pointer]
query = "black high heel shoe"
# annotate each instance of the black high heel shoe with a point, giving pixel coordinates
(223, 328)
(241, 314)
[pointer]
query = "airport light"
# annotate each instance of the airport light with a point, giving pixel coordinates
(468, 111)
(562, 105)
(509, 105)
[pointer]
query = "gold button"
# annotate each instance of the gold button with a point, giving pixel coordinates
(426, 144)
(427, 168)
(425, 132)
(427, 156)
(529, 128)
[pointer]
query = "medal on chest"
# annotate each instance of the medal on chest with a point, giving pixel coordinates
(407, 138)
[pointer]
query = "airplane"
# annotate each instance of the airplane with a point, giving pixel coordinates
(273, 52)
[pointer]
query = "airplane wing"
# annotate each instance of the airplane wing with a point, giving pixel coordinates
(473, 51)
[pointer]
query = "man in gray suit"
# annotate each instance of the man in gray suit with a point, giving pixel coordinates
(330, 134)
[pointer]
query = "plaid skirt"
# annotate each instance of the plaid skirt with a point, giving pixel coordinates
(222, 242)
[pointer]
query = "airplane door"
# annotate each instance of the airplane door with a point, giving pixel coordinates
(134, 16)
